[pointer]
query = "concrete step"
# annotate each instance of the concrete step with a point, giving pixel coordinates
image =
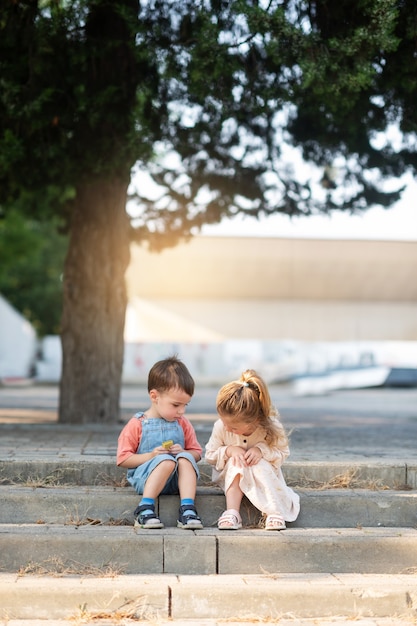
(191, 600)
(100, 469)
(290, 621)
(57, 548)
(331, 508)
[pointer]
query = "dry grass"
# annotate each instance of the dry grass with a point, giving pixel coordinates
(57, 567)
(129, 612)
(105, 480)
(61, 478)
(402, 487)
(75, 518)
(252, 515)
(90, 521)
(36, 481)
(350, 479)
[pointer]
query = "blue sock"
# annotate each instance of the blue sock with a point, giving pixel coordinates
(187, 502)
(147, 501)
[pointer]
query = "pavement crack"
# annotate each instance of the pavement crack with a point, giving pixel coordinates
(86, 443)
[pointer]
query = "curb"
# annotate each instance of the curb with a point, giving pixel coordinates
(217, 597)
(57, 549)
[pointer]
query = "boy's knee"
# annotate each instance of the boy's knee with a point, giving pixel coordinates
(167, 465)
(185, 462)
(167, 462)
(186, 466)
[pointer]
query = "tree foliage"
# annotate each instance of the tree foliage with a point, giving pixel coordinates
(89, 89)
(213, 100)
(31, 264)
(257, 77)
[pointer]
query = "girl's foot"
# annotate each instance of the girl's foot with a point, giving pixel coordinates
(275, 521)
(229, 520)
(145, 517)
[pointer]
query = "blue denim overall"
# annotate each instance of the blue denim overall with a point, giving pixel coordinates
(155, 431)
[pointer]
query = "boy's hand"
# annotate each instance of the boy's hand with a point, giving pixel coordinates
(176, 449)
(159, 450)
(170, 447)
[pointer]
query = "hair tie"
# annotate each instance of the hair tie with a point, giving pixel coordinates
(244, 383)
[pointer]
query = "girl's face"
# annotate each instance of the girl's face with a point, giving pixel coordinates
(239, 427)
(170, 405)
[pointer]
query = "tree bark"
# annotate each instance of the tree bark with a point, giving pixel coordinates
(94, 304)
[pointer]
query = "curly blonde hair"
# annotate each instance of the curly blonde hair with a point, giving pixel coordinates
(247, 400)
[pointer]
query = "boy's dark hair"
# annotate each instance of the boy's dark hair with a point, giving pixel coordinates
(170, 373)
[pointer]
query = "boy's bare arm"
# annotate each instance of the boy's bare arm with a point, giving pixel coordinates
(138, 459)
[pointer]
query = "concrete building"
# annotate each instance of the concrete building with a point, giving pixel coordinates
(278, 289)
(321, 313)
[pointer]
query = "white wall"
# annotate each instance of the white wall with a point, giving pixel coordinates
(17, 343)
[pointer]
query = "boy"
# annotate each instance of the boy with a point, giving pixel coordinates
(159, 447)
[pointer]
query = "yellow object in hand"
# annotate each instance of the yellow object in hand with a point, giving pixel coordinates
(167, 444)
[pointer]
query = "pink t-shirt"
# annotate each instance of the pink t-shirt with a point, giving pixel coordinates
(131, 434)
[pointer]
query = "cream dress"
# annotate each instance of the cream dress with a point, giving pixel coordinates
(263, 484)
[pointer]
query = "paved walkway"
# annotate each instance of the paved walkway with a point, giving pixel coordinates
(367, 424)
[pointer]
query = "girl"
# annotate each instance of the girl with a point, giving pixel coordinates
(247, 447)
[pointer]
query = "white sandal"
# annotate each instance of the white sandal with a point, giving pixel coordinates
(229, 520)
(275, 522)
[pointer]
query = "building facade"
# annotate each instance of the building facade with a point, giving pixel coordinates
(224, 288)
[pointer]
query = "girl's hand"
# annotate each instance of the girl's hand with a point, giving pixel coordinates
(253, 456)
(234, 451)
(237, 455)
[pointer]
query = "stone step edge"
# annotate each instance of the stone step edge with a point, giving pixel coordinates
(202, 489)
(231, 597)
(115, 529)
(14, 491)
(81, 505)
(114, 550)
(398, 531)
(99, 470)
(340, 620)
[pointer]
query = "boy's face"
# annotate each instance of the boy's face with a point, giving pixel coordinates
(170, 404)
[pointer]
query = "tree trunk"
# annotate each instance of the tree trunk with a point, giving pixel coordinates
(94, 304)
